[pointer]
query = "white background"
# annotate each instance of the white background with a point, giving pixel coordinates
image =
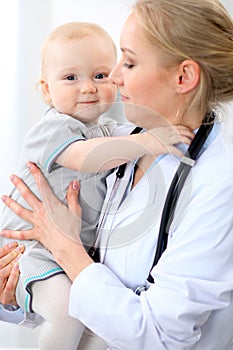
(24, 24)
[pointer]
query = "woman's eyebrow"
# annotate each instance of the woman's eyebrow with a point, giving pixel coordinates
(125, 49)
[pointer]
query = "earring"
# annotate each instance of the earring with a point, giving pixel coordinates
(178, 111)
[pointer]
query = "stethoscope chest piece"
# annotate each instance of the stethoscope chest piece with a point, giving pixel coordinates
(142, 288)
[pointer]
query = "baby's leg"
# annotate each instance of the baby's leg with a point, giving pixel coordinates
(90, 341)
(50, 299)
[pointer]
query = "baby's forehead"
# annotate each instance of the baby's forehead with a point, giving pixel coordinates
(89, 51)
(95, 38)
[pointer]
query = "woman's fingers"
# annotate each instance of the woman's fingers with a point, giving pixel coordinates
(24, 214)
(56, 216)
(20, 235)
(42, 184)
(72, 198)
(49, 217)
(9, 272)
(25, 192)
(43, 187)
(8, 285)
(7, 248)
(8, 256)
(20, 211)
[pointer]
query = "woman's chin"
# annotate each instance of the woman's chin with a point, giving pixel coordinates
(144, 117)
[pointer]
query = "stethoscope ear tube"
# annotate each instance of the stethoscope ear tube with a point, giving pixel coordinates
(121, 170)
(177, 184)
(174, 191)
(94, 251)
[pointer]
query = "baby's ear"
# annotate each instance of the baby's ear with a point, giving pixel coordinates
(45, 91)
(188, 77)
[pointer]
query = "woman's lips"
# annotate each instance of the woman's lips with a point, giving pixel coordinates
(124, 98)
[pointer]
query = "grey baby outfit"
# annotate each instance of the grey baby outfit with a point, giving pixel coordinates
(43, 144)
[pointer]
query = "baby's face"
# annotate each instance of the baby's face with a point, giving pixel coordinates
(77, 73)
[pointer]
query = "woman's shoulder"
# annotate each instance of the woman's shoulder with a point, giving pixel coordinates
(215, 165)
(124, 128)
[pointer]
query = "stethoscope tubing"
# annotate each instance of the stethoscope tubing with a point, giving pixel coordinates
(177, 184)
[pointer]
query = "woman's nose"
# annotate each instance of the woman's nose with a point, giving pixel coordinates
(88, 87)
(115, 76)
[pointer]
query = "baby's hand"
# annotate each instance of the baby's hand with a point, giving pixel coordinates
(162, 140)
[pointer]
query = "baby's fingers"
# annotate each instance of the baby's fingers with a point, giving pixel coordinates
(183, 131)
(175, 151)
(183, 139)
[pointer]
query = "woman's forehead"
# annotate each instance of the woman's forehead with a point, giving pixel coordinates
(133, 38)
(130, 26)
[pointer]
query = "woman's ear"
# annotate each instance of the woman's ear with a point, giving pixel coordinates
(188, 76)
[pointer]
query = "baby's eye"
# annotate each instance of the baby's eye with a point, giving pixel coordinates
(101, 76)
(71, 77)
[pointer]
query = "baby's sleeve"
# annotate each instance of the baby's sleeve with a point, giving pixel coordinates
(46, 141)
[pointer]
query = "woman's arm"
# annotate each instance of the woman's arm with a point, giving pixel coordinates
(53, 223)
(104, 153)
(190, 286)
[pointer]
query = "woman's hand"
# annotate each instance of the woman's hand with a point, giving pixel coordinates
(9, 272)
(54, 225)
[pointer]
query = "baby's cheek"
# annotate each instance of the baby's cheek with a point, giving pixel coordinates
(110, 93)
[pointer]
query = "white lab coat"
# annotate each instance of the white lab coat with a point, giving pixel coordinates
(190, 306)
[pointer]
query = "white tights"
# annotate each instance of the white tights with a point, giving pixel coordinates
(90, 341)
(51, 300)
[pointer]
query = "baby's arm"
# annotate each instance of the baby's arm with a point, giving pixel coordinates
(104, 153)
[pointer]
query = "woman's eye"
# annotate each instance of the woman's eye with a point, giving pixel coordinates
(71, 77)
(101, 76)
(128, 65)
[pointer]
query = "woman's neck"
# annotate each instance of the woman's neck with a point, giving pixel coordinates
(142, 166)
(192, 122)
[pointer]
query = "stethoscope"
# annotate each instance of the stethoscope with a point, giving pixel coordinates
(186, 163)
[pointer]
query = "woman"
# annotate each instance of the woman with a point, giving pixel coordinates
(177, 62)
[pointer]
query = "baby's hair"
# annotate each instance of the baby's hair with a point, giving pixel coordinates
(70, 31)
(199, 30)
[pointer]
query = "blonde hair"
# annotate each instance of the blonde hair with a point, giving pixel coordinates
(70, 31)
(200, 30)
